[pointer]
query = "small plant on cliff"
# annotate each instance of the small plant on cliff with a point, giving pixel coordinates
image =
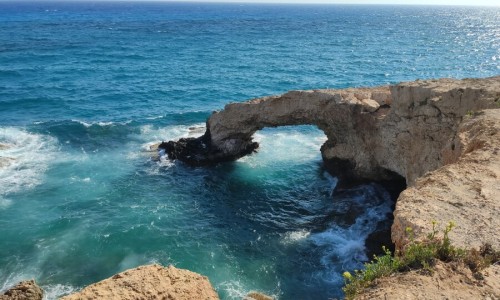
(380, 266)
(418, 255)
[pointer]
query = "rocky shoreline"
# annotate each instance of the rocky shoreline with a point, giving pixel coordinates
(440, 137)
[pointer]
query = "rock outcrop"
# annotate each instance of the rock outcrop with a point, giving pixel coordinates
(257, 296)
(150, 282)
(25, 290)
(430, 129)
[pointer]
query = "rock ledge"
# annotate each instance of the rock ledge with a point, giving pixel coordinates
(150, 282)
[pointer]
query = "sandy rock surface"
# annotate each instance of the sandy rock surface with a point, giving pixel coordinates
(449, 281)
(150, 282)
(25, 290)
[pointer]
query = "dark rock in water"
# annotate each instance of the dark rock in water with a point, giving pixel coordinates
(200, 152)
(25, 290)
(380, 237)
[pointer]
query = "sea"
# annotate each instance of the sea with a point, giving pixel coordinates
(87, 87)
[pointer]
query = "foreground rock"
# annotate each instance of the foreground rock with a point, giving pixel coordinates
(25, 290)
(150, 282)
(449, 281)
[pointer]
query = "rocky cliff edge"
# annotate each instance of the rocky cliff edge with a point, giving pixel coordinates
(150, 282)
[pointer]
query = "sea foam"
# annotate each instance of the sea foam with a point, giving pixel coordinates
(27, 156)
(347, 244)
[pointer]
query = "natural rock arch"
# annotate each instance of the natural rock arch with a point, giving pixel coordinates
(339, 114)
(400, 128)
(409, 129)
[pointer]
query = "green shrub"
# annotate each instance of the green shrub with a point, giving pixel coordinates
(380, 266)
(420, 255)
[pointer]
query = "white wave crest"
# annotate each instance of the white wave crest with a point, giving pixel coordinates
(151, 133)
(295, 236)
(347, 245)
(234, 289)
(100, 123)
(56, 291)
(25, 158)
(286, 144)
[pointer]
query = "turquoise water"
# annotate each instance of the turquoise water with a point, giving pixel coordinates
(85, 88)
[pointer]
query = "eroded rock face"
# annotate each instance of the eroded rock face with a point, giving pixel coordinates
(466, 190)
(150, 282)
(25, 290)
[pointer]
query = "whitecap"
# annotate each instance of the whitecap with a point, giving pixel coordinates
(97, 123)
(56, 291)
(104, 123)
(295, 236)
(83, 123)
(28, 155)
(150, 133)
(155, 117)
(347, 244)
(286, 144)
(234, 289)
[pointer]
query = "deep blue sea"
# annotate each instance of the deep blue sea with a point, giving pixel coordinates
(86, 87)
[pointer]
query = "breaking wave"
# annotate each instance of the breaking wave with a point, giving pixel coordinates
(24, 157)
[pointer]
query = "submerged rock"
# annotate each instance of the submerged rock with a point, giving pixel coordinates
(25, 290)
(150, 282)
(257, 296)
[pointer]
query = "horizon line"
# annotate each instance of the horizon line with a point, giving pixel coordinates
(286, 2)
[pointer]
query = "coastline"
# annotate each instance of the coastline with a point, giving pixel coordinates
(442, 136)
